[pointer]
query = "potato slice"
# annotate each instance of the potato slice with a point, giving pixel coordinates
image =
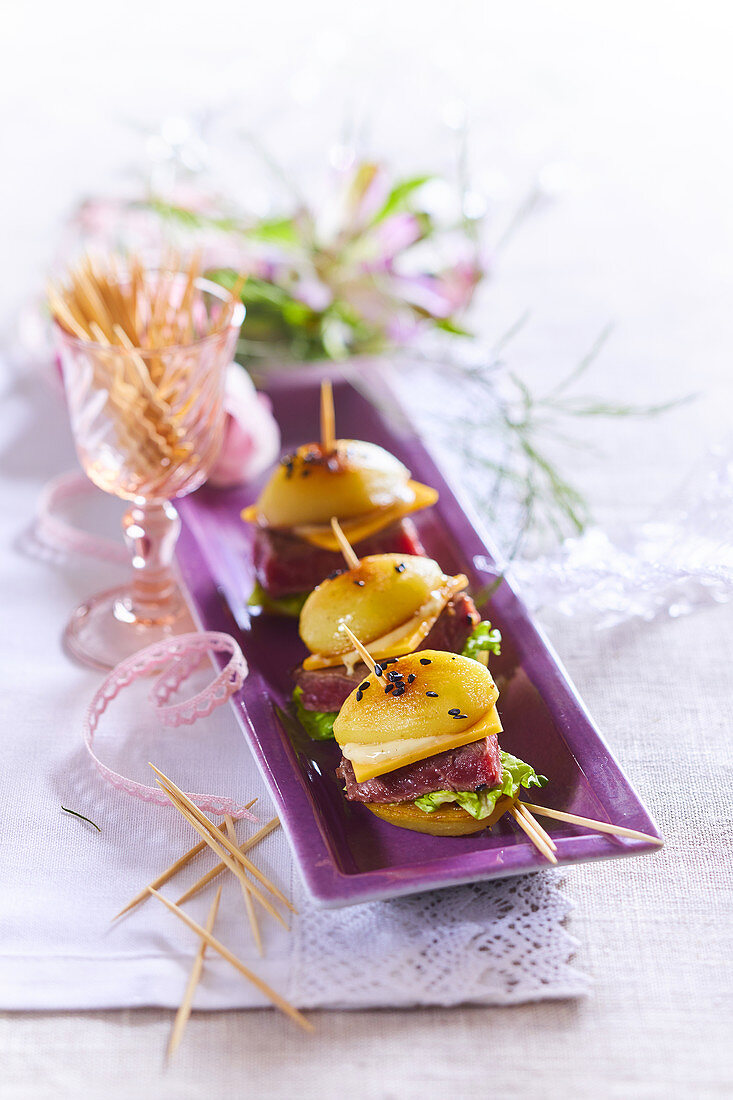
(446, 821)
(384, 592)
(456, 684)
(310, 486)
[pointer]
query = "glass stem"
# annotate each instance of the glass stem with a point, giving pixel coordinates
(151, 532)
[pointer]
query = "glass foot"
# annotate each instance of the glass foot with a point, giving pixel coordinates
(102, 631)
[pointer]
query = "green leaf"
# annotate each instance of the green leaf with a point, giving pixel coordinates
(399, 196)
(190, 219)
(484, 639)
(448, 325)
(481, 804)
(283, 605)
(317, 724)
(275, 231)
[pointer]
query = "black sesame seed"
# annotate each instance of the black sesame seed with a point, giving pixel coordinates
(425, 661)
(359, 584)
(400, 568)
(454, 711)
(336, 573)
(394, 675)
(432, 694)
(364, 686)
(389, 687)
(389, 661)
(304, 473)
(377, 670)
(359, 696)
(399, 690)
(411, 677)
(469, 618)
(460, 716)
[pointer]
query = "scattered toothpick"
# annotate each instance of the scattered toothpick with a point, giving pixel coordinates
(246, 895)
(170, 871)
(216, 871)
(223, 854)
(350, 556)
(184, 1010)
(270, 993)
(170, 788)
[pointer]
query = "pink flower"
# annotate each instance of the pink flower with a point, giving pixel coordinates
(379, 247)
(251, 436)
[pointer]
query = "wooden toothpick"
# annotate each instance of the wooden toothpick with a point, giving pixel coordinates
(270, 993)
(170, 787)
(251, 915)
(350, 556)
(171, 871)
(328, 417)
(522, 809)
(598, 826)
(366, 656)
(184, 1011)
(215, 871)
(223, 855)
(533, 835)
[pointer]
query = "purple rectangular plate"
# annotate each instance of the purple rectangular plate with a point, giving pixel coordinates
(346, 854)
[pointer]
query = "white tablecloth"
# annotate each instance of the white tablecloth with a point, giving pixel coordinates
(625, 108)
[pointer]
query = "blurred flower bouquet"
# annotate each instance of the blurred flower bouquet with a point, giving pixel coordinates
(370, 270)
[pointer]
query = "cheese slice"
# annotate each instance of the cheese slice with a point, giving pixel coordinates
(358, 528)
(404, 638)
(363, 527)
(369, 761)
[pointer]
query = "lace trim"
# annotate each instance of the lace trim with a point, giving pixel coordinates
(500, 942)
(180, 656)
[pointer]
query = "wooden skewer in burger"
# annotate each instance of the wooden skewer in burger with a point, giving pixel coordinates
(395, 604)
(420, 749)
(366, 488)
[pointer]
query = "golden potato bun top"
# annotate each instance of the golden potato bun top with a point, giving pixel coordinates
(382, 593)
(311, 486)
(448, 694)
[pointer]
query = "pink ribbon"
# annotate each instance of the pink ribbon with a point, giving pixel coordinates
(59, 534)
(181, 655)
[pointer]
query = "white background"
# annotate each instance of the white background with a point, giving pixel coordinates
(622, 112)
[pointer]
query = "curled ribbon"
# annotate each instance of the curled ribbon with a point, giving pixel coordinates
(181, 656)
(60, 535)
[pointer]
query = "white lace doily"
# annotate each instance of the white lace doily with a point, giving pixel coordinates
(491, 943)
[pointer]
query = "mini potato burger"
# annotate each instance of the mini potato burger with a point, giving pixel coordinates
(366, 488)
(395, 604)
(360, 485)
(420, 746)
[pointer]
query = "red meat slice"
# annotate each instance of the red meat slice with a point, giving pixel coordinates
(466, 769)
(286, 565)
(327, 689)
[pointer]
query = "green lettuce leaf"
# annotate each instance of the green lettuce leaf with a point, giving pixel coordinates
(484, 638)
(284, 605)
(480, 804)
(317, 724)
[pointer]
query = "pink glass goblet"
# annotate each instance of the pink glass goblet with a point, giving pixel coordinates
(148, 426)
